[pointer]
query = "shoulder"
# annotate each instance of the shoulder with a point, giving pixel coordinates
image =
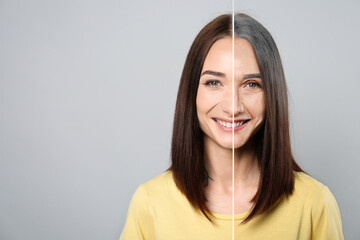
(159, 182)
(158, 186)
(312, 191)
(322, 204)
(150, 188)
(308, 186)
(139, 222)
(155, 190)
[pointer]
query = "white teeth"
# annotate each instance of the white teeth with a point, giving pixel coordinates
(230, 125)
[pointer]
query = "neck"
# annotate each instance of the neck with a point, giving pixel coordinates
(218, 162)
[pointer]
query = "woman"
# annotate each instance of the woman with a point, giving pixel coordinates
(274, 198)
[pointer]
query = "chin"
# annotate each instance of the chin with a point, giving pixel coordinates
(240, 142)
(229, 145)
(226, 142)
(237, 145)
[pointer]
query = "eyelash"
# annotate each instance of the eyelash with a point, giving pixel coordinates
(209, 83)
(216, 83)
(253, 82)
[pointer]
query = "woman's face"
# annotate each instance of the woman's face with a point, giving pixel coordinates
(214, 100)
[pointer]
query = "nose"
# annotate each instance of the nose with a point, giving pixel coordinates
(228, 102)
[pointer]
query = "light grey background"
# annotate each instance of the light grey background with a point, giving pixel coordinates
(87, 94)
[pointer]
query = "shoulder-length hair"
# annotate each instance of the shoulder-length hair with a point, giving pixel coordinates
(273, 139)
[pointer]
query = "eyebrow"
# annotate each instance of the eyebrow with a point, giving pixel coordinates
(217, 74)
(220, 74)
(252, 75)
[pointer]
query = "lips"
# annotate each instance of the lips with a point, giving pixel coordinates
(228, 125)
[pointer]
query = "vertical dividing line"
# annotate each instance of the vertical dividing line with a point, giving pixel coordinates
(233, 123)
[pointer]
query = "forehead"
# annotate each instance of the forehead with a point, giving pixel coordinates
(220, 57)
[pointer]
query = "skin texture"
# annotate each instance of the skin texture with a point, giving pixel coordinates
(214, 101)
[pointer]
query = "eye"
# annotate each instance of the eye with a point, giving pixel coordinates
(213, 83)
(253, 84)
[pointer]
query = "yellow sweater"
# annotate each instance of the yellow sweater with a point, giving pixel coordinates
(158, 210)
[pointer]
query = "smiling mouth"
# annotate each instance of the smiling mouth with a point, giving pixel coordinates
(237, 123)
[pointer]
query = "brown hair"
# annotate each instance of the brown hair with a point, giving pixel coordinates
(273, 140)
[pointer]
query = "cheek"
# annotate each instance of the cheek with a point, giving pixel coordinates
(256, 107)
(199, 101)
(201, 109)
(204, 101)
(200, 105)
(261, 110)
